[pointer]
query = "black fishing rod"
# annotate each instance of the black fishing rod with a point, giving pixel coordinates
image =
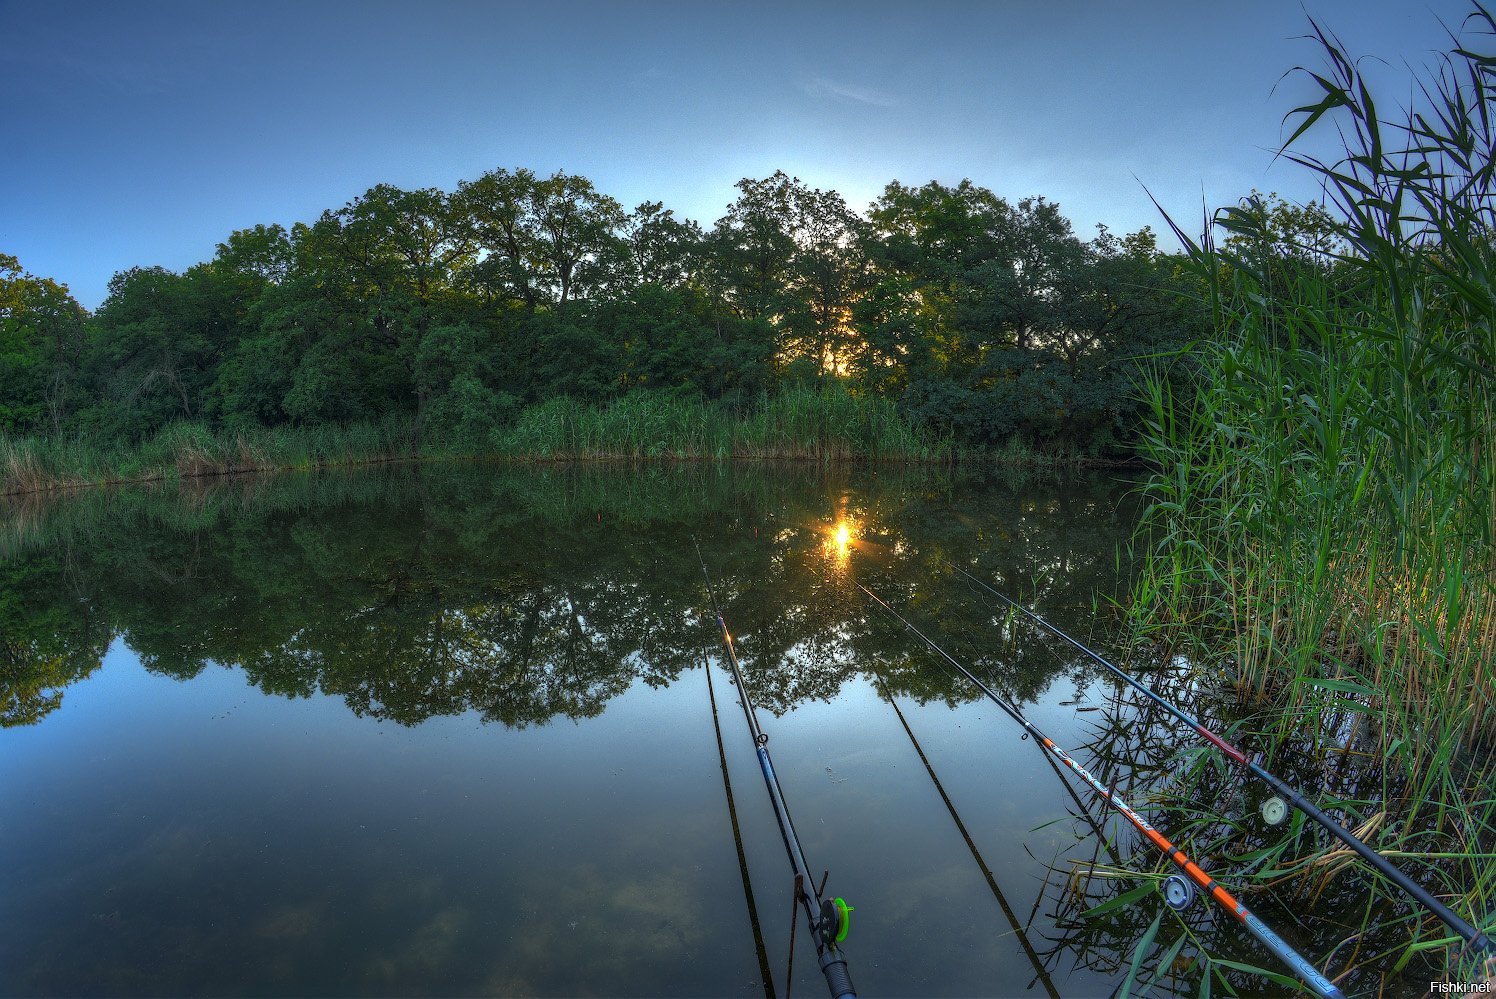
(1273, 811)
(1307, 973)
(827, 918)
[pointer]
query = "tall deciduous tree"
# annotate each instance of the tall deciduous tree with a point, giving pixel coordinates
(402, 246)
(826, 275)
(753, 245)
(661, 249)
(1014, 297)
(574, 226)
(159, 339)
(790, 254)
(495, 211)
(41, 349)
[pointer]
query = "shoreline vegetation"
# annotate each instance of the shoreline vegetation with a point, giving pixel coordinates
(799, 424)
(1324, 509)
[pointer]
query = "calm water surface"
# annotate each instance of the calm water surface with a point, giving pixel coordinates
(447, 730)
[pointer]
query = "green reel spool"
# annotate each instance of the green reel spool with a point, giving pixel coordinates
(834, 920)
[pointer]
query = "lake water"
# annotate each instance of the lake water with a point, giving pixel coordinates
(447, 730)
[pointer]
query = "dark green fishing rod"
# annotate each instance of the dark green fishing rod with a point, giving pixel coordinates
(827, 918)
(1476, 938)
(1307, 973)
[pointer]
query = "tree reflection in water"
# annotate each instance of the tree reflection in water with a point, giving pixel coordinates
(524, 595)
(528, 594)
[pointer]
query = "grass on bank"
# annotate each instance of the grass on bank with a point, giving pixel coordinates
(800, 423)
(32, 464)
(1324, 512)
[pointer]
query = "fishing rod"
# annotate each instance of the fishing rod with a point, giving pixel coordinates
(827, 918)
(1273, 810)
(1307, 973)
(1028, 948)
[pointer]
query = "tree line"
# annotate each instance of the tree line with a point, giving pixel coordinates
(983, 318)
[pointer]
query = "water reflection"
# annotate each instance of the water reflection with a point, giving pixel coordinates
(369, 785)
(524, 596)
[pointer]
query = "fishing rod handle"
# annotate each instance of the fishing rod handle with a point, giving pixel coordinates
(838, 979)
(1475, 937)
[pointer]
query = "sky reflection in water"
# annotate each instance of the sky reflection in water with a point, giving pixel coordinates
(447, 731)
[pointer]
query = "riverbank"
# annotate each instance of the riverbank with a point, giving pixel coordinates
(795, 425)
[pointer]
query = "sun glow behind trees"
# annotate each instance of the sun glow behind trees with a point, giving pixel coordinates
(981, 317)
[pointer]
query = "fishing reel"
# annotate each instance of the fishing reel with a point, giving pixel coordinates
(1274, 811)
(1178, 892)
(832, 926)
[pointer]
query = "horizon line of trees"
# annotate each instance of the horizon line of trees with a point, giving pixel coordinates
(983, 318)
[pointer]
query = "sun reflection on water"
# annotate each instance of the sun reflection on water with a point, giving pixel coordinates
(839, 540)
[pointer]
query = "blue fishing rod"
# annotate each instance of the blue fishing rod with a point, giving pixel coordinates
(1273, 811)
(827, 918)
(1306, 972)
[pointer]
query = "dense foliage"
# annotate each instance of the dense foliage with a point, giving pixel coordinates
(459, 310)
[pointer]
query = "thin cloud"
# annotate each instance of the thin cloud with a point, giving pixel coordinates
(848, 93)
(129, 76)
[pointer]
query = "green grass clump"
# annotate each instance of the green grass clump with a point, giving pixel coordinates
(185, 450)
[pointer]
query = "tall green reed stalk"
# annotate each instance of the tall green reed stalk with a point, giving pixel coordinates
(1322, 514)
(801, 422)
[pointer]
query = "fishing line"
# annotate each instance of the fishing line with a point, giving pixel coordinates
(1028, 948)
(1475, 937)
(737, 839)
(1083, 811)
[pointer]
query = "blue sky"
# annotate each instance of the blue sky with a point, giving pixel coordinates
(146, 133)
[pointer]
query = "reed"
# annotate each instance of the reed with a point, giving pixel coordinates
(799, 423)
(188, 450)
(1321, 517)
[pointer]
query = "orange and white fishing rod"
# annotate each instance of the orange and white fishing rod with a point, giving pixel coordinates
(1274, 811)
(1306, 972)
